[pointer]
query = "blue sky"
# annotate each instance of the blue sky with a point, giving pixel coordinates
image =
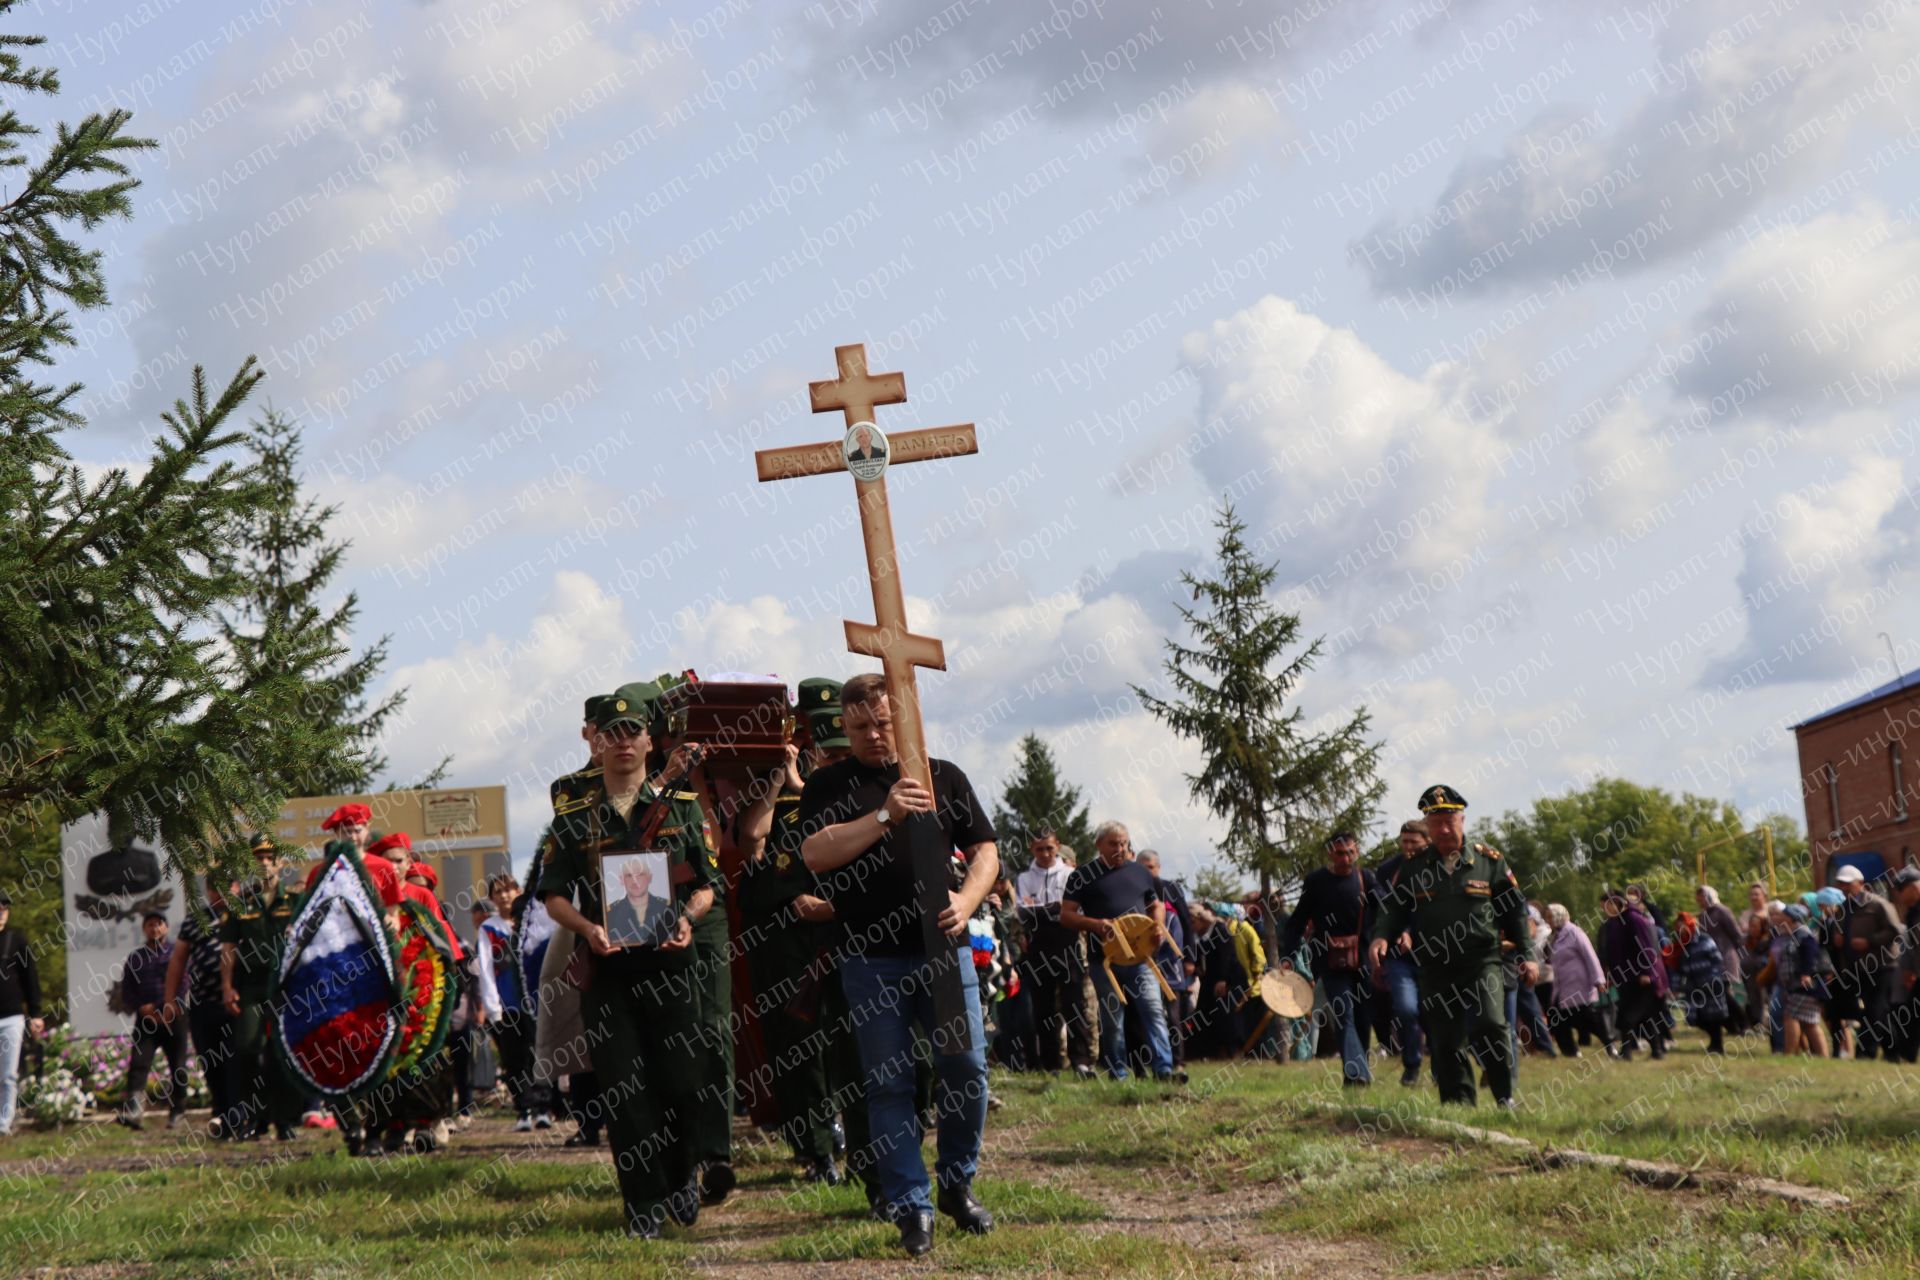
(1562, 362)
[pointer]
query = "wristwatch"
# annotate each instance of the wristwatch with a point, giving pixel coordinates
(883, 816)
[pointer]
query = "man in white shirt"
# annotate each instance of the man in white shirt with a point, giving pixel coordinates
(1054, 967)
(1040, 885)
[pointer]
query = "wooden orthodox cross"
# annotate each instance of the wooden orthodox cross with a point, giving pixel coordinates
(866, 452)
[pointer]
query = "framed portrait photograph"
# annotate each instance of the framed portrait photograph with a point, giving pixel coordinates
(637, 899)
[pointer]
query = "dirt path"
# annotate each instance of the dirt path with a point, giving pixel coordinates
(1224, 1229)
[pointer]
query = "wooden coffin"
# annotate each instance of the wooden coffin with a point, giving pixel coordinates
(736, 723)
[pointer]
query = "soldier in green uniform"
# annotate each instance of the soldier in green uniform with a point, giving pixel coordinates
(559, 1048)
(1460, 904)
(251, 938)
(638, 1009)
(711, 1124)
(812, 1059)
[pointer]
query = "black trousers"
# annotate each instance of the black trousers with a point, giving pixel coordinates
(1056, 982)
(513, 1037)
(151, 1035)
(211, 1027)
(1586, 1021)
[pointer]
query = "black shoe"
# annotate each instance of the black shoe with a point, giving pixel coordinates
(1356, 1084)
(643, 1227)
(129, 1121)
(1083, 1071)
(1409, 1077)
(967, 1213)
(916, 1233)
(823, 1171)
(839, 1138)
(583, 1138)
(684, 1205)
(284, 1133)
(717, 1183)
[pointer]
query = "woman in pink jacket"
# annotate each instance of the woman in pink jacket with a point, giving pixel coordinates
(1578, 981)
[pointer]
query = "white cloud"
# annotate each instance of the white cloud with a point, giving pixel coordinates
(1822, 567)
(1740, 110)
(1821, 314)
(1345, 465)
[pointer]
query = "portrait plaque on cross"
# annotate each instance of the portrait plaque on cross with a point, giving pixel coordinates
(866, 453)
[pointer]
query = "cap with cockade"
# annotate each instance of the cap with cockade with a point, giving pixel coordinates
(1441, 798)
(629, 704)
(261, 842)
(820, 704)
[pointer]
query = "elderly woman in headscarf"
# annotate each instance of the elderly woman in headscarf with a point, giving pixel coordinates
(1578, 981)
(1718, 922)
(1841, 1009)
(1700, 978)
(1803, 991)
(1630, 950)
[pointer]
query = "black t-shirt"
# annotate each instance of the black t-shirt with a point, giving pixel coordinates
(1107, 893)
(872, 896)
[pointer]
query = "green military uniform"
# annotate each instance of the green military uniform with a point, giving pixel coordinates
(812, 1059)
(638, 1010)
(1458, 916)
(257, 928)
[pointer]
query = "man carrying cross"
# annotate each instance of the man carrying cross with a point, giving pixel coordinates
(852, 813)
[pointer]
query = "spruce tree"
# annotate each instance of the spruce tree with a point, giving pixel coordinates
(280, 622)
(119, 692)
(1035, 799)
(1278, 785)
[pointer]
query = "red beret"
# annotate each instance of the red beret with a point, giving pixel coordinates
(425, 874)
(345, 814)
(398, 840)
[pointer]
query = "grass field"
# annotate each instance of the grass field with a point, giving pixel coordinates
(1251, 1170)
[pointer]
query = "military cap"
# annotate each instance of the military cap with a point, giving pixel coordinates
(592, 712)
(1440, 798)
(629, 704)
(820, 704)
(261, 842)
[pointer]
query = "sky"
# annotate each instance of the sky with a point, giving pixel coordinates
(1560, 358)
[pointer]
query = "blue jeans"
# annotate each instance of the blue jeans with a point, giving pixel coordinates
(1143, 991)
(1776, 1015)
(1403, 986)
(1349, 1011)
(886, 996)
(13, 1034)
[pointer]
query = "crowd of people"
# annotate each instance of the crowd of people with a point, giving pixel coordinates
(604, 983)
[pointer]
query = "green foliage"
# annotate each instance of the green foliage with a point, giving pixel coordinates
(1036, 798)
(1570, 848)
(1217, 884)
(1279, 784)
(279, 623)
(127, 687)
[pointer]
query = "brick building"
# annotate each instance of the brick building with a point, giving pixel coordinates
(1860, 776)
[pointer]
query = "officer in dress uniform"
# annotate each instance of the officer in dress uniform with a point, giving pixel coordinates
(251, 938)
(637, 1004)
(1460, 905)
(812, 1058)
